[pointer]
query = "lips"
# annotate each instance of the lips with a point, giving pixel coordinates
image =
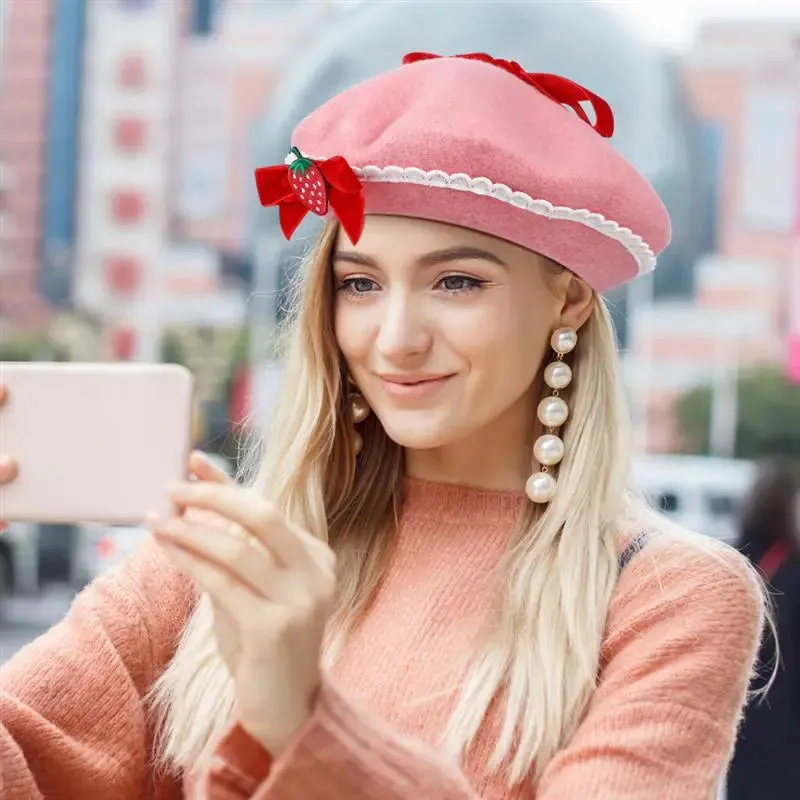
(405, 388)
(409, 381)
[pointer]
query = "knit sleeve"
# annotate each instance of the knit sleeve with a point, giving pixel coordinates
(682, 637)
(72, 724)
(342, 753)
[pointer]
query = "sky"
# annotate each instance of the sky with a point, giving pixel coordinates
(673, 22)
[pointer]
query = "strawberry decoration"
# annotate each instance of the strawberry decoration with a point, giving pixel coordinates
(303, 184)
(308, 184)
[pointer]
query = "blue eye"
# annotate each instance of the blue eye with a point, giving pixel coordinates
(450, 284)
(460, 283)
(357, 285)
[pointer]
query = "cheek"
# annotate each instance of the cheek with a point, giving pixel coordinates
(351, 330)
(506, 341)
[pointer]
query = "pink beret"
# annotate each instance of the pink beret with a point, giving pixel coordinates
(477, 142)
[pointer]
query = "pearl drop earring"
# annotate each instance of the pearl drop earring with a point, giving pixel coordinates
(548, 449)
(359, 410)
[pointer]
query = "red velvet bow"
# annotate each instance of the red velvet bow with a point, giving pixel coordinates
(561, 90)
(343, 193)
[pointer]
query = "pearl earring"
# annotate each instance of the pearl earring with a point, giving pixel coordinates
(359, 410)
(548, 449)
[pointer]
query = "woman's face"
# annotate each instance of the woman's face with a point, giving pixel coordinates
(443, 328)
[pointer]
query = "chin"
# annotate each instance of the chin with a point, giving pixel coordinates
(420, 431)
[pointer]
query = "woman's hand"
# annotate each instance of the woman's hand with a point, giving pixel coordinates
(8, 468)
(272, 588)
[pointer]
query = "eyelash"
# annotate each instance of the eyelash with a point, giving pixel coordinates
(347, 285)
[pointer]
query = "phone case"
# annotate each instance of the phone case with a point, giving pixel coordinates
(93, 442)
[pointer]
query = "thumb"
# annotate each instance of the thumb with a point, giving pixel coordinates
(203, 469)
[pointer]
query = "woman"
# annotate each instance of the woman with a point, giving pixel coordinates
(450, 592)
(765, 762)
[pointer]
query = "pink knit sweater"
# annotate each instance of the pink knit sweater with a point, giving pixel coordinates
(679, 646)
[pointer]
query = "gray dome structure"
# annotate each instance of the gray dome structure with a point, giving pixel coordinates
(580, 40)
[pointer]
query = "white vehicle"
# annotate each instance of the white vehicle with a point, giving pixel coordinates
(698, 492)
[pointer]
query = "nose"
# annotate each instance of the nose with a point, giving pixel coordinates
(404, 328)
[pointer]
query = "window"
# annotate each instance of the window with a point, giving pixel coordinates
(127, 207)
(6, 224)
(129, 134)
(721, 505)
(131, 72)
(711, 140)
(203, 17)
(667, 502)
(123, 344)
(6, 256)
(5, 186)
(123, 273)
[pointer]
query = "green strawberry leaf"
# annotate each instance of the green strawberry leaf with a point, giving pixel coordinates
(301, 164)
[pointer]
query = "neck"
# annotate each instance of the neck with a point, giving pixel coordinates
(495, 457)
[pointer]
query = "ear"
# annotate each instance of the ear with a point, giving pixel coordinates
(578, 303)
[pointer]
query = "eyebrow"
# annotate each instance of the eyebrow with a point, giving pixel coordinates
(435, 258)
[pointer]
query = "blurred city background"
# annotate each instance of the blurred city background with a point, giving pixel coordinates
(130, 229)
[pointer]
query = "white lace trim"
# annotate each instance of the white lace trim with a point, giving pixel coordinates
(634, 244)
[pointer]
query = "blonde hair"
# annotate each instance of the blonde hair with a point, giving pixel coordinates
(542, 652)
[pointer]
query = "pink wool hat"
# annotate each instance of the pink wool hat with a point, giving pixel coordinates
(476, 142)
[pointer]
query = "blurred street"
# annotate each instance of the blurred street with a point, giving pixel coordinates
(25, 618)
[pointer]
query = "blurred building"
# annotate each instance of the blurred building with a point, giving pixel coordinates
(154, 140)
(60, 180)
(226, 81)
(24, 96)
(743, 81)
(129, 85)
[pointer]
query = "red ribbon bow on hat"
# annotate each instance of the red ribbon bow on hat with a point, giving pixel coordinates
(561, 90)
(302, 185)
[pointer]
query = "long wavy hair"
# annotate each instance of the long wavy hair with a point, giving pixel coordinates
(541, 649)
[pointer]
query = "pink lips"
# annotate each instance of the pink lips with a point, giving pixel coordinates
(404, 389)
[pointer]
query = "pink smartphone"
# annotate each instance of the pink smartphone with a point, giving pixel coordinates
(93, 442)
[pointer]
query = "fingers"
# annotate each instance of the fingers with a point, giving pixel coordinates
(8, 467)
(251, 512)
(230, 593)
(8, 470)
(242, 559)
(201, 466)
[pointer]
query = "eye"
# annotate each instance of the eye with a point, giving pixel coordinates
(357, 285)
(460, 283)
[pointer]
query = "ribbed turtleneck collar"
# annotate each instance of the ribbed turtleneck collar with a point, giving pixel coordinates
(454, 503)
